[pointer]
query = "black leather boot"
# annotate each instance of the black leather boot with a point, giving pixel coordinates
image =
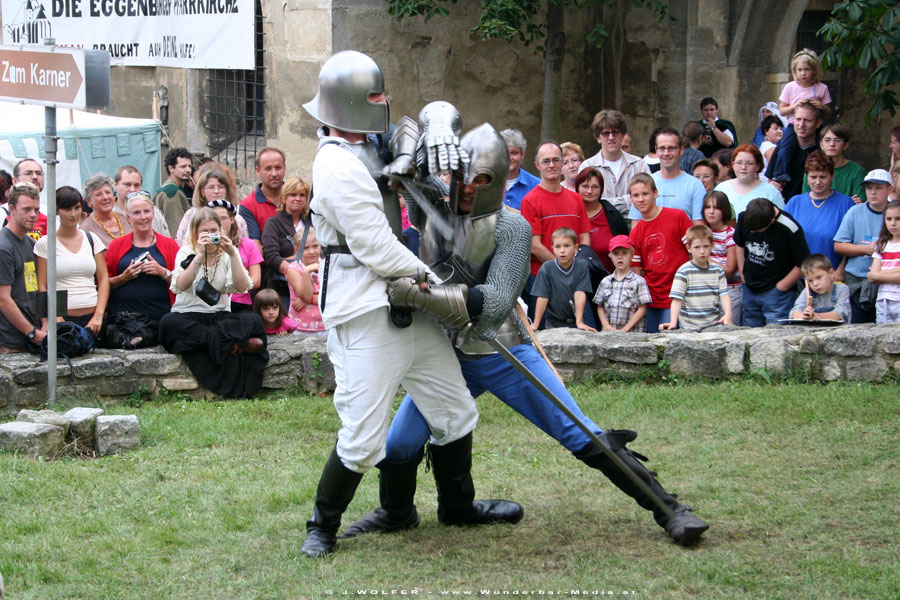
(683, 527)
(452, 466)
(396, 491)
(336, 488)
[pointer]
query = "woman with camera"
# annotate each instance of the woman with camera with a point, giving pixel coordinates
(80, 265)
(225, 351)
(140, 271)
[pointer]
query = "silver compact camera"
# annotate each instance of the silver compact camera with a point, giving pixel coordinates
(215, 238)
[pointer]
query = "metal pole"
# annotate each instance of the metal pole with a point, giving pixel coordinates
(50, 185)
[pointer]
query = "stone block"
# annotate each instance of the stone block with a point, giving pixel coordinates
(889, 338)
(317, 372)
(871, 369)
(772, 354)
(154, 364)
(278, 356)
(32, 396)
(690, 357)
(34, 440)
(638, 353)
(98, 366)
(848, 342)
(830, 369)
(83, 423)
(809, 344)
(47, 417)
(30, 375)
(277, 381)
(179, 384)
(6, 388)
(735, 357)
(117, 433)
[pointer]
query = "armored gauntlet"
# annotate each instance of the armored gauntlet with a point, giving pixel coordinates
(445, 303)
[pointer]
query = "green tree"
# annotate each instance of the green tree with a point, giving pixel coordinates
(866, 33)
(518, 21)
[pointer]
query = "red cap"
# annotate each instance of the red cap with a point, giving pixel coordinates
(620, 241)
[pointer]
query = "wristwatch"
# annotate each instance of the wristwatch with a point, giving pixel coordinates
(32, 333)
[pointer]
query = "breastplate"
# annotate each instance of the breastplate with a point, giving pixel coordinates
(466, 257)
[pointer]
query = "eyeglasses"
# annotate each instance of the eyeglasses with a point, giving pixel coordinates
(667, 149)
(549, 161)
(610, 132)
(131, 195)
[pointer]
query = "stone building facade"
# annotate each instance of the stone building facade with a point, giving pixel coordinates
(656, 73)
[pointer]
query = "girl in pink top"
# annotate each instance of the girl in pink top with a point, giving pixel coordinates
(303, 278)
(807, 85)
(267, 305)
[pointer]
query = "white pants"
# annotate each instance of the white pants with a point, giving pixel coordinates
(371, 358)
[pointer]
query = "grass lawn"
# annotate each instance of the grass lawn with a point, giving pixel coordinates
(799, 483)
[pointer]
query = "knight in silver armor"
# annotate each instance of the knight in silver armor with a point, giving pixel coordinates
(487, 249)
(373, 347)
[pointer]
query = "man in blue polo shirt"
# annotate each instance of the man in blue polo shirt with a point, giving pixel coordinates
(518, 181)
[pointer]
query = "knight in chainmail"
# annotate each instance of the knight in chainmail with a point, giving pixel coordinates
(471, 242)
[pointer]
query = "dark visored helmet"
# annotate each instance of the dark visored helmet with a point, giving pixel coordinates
(345, 83)
(489, 156)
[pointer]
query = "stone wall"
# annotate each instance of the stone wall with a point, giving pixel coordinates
(110, 374)
(857, 352)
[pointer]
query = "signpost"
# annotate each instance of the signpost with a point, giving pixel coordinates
(55, 78)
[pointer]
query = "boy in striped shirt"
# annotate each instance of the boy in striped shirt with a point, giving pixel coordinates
(700, 291)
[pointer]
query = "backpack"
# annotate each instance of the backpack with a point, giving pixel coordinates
(71, 340)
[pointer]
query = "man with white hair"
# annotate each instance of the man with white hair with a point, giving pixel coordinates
(518, 181)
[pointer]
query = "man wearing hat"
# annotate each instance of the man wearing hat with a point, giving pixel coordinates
(855, 239)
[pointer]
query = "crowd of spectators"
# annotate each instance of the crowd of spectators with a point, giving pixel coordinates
(126, 283)
(701, 230)
(790, 196)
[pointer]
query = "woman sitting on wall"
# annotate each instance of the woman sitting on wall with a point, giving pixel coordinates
(80, 265)
(225, 351)
(278, 236)
(140, 267)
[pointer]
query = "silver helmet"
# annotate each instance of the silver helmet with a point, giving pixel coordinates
(489, 156)
(345, 83)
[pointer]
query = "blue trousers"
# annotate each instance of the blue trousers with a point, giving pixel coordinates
(765, 308)
(656, 317)
(409, 431)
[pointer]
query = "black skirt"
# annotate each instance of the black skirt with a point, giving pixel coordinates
(205, 342)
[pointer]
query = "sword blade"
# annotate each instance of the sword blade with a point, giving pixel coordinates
(433, 214)
(616, 460)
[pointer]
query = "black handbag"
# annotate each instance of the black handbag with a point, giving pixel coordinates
(205, 290)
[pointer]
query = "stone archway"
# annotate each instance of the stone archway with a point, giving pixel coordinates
(761, 48)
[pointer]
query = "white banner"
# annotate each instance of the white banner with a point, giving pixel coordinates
(190, 34)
